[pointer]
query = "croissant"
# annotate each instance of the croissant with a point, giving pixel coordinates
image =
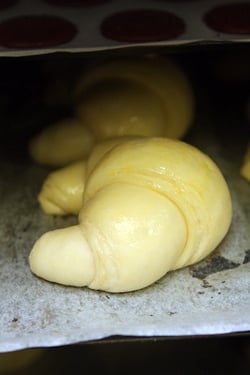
(150, 205)
(131, 96)
(62, 191)
(61, 143)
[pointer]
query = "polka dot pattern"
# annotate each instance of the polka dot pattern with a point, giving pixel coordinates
(142, 26)
(35, 31)
(230, 18)
(88, 25)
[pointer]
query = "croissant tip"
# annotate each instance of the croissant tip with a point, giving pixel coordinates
(63, 256)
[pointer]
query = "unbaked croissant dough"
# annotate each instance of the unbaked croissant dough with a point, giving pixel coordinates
(63, 142)
(130, 96)
(150, 205)
(153, 87)
(62, 191)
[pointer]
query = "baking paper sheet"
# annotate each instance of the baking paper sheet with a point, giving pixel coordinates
(88, 20)
(212, 297)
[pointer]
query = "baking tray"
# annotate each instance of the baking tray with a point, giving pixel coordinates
(49, 26)
(209, 298)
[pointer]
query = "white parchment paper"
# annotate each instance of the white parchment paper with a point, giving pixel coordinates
(88, 21)
(212, 297)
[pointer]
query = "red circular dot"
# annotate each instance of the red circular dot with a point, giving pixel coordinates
(76, 3)
(230, 18)
(7, 3)
(35, 31)
(142, 26)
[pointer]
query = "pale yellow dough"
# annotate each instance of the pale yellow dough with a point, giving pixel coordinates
(158, 82)
(62, 191)
(150, 205)
(61, 143)
(136, 96)
(119, 108)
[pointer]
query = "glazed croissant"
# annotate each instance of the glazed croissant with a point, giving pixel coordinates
(130, 96)
(150, 205)
(62, 190)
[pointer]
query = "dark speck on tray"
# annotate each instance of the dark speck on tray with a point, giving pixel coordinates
(216, 264)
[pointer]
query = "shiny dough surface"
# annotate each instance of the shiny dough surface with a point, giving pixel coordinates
(150, 205)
